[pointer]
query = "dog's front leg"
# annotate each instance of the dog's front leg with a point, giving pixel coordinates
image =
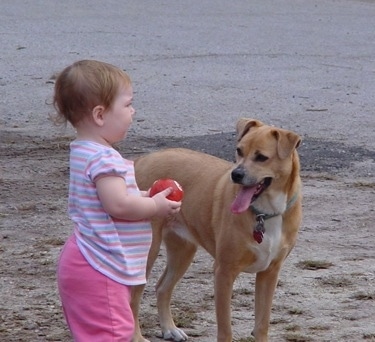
(224, 279)
(265, 285)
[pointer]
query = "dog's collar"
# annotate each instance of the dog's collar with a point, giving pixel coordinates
(268, 216)
(259, 229)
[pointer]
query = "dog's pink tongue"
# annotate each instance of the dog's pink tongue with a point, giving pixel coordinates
(243, 200)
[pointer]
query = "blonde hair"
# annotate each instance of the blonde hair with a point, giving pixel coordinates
(84, 85)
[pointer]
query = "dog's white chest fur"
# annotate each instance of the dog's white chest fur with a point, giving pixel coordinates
(267, 250)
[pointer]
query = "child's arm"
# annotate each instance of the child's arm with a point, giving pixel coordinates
(118, 203)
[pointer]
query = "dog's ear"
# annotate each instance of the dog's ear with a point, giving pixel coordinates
(287, 142)
(244, 125)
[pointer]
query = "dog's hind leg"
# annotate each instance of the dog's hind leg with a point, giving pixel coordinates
(180, 254)
(137, 291)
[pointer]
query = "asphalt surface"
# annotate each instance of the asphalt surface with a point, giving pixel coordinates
(197, 66)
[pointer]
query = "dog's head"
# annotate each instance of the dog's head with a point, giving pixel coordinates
(265, 157)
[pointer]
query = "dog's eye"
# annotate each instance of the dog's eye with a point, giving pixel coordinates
(239, 152)
(261, 157)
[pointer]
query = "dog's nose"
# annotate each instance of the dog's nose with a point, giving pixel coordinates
(237, 175)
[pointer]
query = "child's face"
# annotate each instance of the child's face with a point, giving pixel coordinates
(119, 117)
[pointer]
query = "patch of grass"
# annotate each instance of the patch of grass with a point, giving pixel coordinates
(279, 321)
(321, 176)
(336, 281)
(293, 327)
(26, 206)
(369, 185)
(320, 328)
(54, 241)
(244, 339)
(295, 311)
(243, 291)
(314, 265)
(363, 296)
(292, 337)
(184, 318)
(149, 322)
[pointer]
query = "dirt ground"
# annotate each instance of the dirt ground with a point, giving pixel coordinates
(326, 290)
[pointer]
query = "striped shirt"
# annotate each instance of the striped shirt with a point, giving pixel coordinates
(117, 248)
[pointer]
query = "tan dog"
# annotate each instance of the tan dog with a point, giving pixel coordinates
(246, 216)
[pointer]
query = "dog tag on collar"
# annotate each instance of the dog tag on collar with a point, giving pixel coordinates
(259, 230)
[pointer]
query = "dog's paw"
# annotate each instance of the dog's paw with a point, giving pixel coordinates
(175, 334)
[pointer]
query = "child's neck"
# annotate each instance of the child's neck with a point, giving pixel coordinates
(89, 131)
(92, 137)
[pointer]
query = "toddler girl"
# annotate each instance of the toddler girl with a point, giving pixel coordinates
(107, 253)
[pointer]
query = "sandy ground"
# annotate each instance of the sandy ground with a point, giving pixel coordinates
(326, 290)
(198, 66)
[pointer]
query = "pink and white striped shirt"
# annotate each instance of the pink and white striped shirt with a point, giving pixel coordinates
(117, 248)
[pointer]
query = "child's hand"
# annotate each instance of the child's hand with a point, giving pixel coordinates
(145, 193)
(164, 206)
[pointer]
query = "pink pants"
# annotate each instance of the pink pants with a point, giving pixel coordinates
(96, 308)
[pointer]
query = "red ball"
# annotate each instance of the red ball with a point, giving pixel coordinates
(176, 195)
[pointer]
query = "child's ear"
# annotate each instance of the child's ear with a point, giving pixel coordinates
(98, 115)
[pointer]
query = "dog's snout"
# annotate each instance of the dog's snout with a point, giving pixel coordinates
(238, 175)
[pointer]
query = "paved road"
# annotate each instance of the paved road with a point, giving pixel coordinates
(199, 65)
